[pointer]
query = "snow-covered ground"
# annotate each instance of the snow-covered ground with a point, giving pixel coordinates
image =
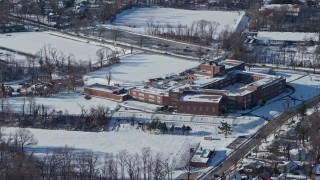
(8, 56)
(132, 139)
(139, 67)
(32, 42)
(70, 103)
(138, 17)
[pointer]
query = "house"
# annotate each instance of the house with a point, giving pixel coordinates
(201, 157)
(297, 154)
(291, 166)
(316, 172)
(288, 176)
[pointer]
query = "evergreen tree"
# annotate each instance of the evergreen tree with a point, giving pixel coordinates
(225, 129)
(183, 129)
(172, 128)
(164, 127)
(302, 109)
(188, 129)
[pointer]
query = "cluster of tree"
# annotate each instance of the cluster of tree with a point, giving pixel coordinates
(37, 115)
(14, 162)
(157, 125)
(200, 32)
(283, 19)
(66, 163)
(10, 68)
(106, 57)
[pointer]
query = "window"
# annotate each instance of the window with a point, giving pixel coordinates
(181, 107)
(151, 96)
(141, 94)
(151, 100)
(194, 108)
(134, 93)
(158, 97)
(213, 109)
(200, 108)
(188, 108)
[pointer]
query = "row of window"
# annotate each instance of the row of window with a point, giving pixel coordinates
(196, 108)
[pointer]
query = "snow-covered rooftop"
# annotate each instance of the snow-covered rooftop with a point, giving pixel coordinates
(228, 63)
(201, 156)
(152, 90)
(201, 98)
(102, 87)
(286, 36)
(287, 7)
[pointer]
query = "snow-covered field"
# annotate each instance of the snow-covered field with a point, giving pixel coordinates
(132, 139)
(70, 103)
(32, 42)
(139, 67)
(164, 16)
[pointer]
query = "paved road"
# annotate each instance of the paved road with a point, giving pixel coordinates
(257, 139)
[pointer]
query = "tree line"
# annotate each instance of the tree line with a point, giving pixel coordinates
(17, 161)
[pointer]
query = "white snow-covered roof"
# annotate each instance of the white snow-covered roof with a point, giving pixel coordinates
(201, 98)
(294, 151)
(288, 7)
(201, 156)
(286, 36)
(151, 90)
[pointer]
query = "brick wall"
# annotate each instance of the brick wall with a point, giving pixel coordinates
(105, 94)
(200, 108)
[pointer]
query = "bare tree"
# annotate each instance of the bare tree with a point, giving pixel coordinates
(109, 77)
(116, 33)
(145, 156)
(24, 138)
(121, 158)
(158, 167)
(101, 55)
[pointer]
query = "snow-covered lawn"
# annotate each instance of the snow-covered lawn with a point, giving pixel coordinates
(65, 102)
(127, 138)
(140, 67)
(32, 42)
(173, 146)
(169, 16)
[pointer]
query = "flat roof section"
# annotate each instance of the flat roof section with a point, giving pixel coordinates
(201, 98)
(228, 63)
(286, 36)
(102, 87)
